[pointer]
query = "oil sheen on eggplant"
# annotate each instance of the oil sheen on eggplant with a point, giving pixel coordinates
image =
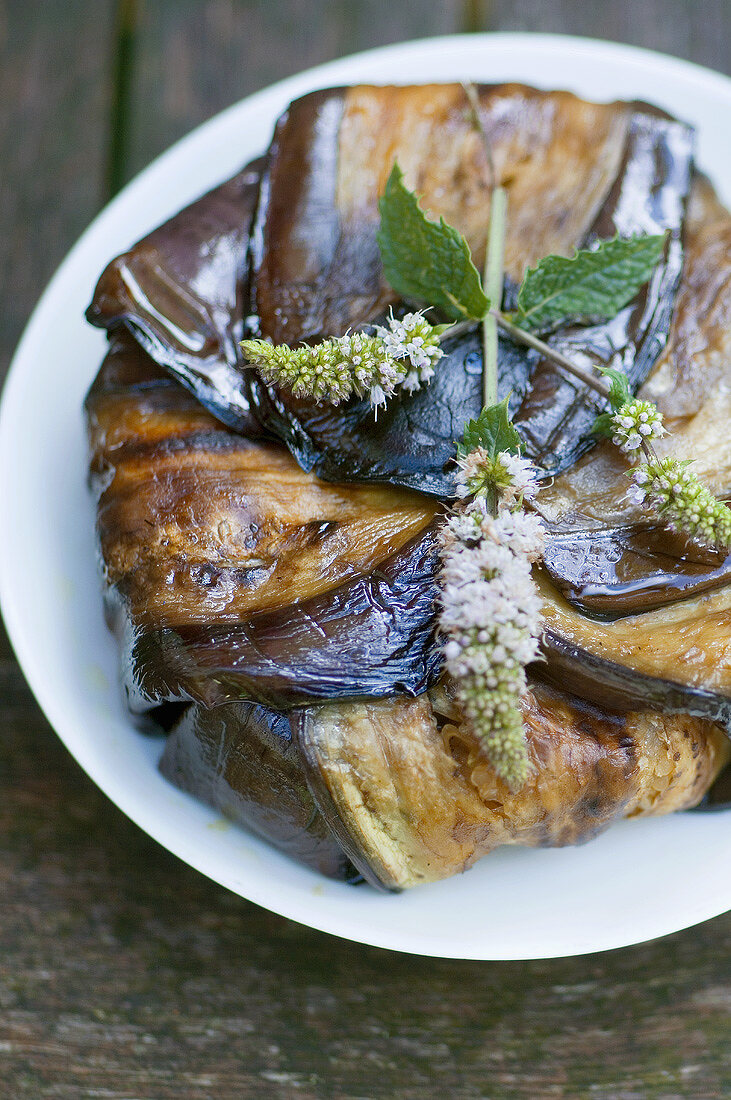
(574, 172)
(181, 292)
(224, 580)
(605, 555)
(177, 256)
(230, 573)
(241, 760)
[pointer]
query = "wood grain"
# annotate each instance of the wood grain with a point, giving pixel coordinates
(698, 32)
(194, 58)
(123, 973)
(53, 125)
(54, 88)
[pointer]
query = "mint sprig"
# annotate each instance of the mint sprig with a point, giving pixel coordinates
(619, 394)
(425, 260)
(493, 431)
(592, 285)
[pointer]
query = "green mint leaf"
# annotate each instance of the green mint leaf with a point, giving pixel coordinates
(593, 285)
(425, 260)
(603, 426)
(492, 430)
(619, 391)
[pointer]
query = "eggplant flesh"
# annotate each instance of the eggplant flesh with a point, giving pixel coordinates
(204, 616)
(409, 796)
(316, 269)
(315, 262)
(230, 573)
(676, 657)
(604, 554)
(241, 760)
(374, 636)
(413, 440)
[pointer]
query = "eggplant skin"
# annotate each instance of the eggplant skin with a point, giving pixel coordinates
(315, 262)
(615, 571)
(603, 555)
(411, 799)
(574, 171)
(240, 759)
(412, 441)
(678, 656)
(181, 292)
(229, 573)
(226, 579)
(373, 636)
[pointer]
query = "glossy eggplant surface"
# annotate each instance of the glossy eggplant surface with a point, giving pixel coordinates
(271, 572)
(604, 554)
(241, 760)
(181, 291)
(574, 172)
(230, 573)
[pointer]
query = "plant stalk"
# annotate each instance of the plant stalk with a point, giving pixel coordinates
(461, 328)
(493, 281)
(531, 341)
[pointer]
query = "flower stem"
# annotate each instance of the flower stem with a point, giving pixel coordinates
(493, 280)
(493, 274)
(531, 341)
(522, 337)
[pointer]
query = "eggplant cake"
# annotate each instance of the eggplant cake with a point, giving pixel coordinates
(270, 564)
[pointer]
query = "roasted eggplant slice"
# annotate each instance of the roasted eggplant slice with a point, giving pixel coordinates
(230, 573)
(618, 571)
(316, 268)
(316, 265)
(411, 442)
(224, 580)
(411, 799)
(374, 636)
(237, 581)
(181, 292)
(603, 554)
(677, 658)
(241, 760)
(573, 170)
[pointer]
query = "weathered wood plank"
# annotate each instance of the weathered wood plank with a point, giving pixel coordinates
(54, 90)
(195, 57)
(124, 973)
(697, 32)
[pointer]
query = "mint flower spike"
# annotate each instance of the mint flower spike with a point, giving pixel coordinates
(666, 485)
(636, 422)
(414, 341)
(491, 614)
(491, 610)
(682, 502)
(513, 478)
(403, 353)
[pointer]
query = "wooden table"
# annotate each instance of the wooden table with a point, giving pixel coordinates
(124, 973)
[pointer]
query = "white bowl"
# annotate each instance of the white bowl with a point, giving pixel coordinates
(639, 880)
